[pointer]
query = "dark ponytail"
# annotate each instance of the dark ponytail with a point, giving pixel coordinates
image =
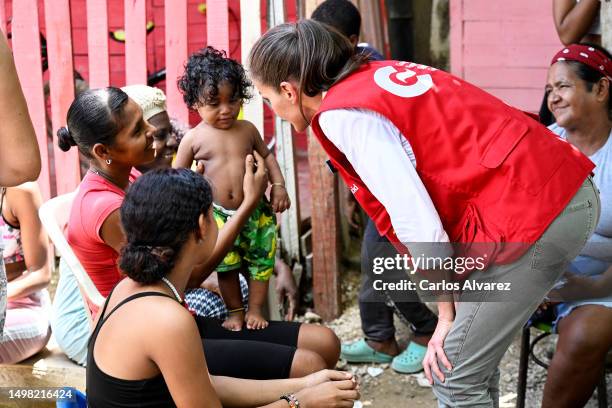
(95, 116)
(65, 139)
(159, 212)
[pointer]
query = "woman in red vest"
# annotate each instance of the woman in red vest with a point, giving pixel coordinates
(463, 182)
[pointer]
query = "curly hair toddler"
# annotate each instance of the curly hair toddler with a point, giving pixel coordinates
(216, 87)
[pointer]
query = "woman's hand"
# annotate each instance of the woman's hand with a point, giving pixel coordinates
(255, 179)
(322, 376)
(435, 350)
(330, 394)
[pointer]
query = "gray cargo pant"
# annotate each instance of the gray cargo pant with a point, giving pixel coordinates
(485, 326)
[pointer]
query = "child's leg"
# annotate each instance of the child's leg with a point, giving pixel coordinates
(229, 285)
(258, 291)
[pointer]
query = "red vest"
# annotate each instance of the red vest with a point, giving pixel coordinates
(495, 175)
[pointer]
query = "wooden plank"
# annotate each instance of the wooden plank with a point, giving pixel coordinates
(61, 83)
(528, 99)
(26, 50)
(3, 16)
(325, 225)
(606, 24)
(514, 77)
(456, 37)
(97, 43)
(285, 155)
(250, 28)
(515, 33)
(534, 56)
(176, 54)
(217, 24)
(135, 42)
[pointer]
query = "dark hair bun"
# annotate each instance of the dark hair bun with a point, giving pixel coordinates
(65, 139)
(146, 264)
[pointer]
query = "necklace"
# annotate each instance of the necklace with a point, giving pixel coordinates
(104, 176)
(172, 289)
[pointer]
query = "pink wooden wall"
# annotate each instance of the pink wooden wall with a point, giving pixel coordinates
(77, 38)
(504, 46)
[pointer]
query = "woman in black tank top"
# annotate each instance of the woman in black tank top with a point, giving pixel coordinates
(146, 349)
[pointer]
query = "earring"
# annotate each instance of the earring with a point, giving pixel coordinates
(108, 161)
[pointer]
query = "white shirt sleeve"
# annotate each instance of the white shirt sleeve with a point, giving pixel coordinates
(383, 159)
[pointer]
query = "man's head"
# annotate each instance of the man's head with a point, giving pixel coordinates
(342, 15)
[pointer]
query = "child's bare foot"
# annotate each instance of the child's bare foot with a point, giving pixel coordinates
(234, 321)
(254, 319)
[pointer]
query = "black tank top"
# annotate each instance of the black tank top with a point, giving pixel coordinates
(104, 390)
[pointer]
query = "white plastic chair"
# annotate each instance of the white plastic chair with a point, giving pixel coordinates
(54, 215)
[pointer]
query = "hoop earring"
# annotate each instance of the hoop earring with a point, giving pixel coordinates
(108, 161)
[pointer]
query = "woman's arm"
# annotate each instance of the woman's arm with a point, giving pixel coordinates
(255, 183)
(24, 202)
(19, 154)
(111, 231)
(326, 388)
(573, 20)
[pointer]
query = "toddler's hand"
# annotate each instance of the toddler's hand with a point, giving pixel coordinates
(279, 199)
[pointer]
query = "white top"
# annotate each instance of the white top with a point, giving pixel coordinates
(384, 160)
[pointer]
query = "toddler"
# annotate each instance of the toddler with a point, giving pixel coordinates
(216, 86)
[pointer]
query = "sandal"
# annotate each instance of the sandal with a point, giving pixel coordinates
(410, 361)
(361, 352)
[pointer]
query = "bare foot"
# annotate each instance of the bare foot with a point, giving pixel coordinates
(234, 321)
(254, 319)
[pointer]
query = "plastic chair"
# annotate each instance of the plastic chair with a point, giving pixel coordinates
(54, 216)
(527, 348)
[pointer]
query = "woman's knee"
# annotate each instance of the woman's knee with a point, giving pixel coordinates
(321, 340)
(306, 362)
(583, 336)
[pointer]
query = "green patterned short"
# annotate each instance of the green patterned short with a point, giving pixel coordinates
(255, 244)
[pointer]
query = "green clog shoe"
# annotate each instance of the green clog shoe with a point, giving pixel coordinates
(410, 361)
(361, 352)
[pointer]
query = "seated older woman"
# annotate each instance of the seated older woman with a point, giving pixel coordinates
(578, 92)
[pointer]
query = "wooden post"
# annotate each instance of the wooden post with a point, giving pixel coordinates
(176, 54)
(26, 51)
(250, 31)
(606, 24)
(285, 154)
(97, 43)
(217, 24)
(135, 42)
(61, 84)
(325, 225)
(456, 37)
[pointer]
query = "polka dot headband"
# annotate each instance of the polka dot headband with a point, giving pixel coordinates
(586, 55)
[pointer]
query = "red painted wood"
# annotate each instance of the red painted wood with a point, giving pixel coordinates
(97, 43)
(135, 42)
(26, 50)
(217, 24)
(176, 54)
(61, 83)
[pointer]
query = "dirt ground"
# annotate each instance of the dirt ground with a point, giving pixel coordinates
(390, 389)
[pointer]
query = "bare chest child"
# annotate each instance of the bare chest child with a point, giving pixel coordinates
(222, 152)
